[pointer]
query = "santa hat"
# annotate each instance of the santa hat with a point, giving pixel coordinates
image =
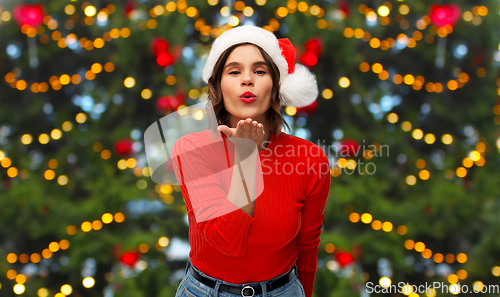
(298, 86)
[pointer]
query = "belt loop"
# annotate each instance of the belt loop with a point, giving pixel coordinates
(264, 289)
(188, 265)
(216, 289)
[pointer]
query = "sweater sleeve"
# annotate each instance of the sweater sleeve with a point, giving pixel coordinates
(313, 213)
(219, 221)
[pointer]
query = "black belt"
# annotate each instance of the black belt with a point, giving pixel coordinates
(246, 290)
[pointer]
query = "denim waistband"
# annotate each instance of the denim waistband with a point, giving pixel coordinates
(190, 265)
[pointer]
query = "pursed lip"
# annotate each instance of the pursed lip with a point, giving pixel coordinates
(247, 97)
(247, 94)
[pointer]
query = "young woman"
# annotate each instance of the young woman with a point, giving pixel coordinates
(255, 199)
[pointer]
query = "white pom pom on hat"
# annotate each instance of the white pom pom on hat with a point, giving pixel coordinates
(298, 86)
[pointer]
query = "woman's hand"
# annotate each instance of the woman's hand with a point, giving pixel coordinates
(245, 130)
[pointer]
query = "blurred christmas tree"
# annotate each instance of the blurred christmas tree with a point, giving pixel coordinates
(408, 113)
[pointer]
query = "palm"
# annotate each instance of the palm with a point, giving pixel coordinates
(245, 130)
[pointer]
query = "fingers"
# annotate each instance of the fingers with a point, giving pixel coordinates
(260, 129)
(253, 129)
(239, 128)
(248, 127)
(224, 129)
(244, 129)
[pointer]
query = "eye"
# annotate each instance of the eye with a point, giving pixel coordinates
(260, 72)
(234, 72)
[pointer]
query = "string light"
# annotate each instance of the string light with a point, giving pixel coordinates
(55, 82)
(418, 82)
(447, 139)
(88, 282)
(43, 292)
(496, 271)
(410, 244)
(19, 289)
(54, 247)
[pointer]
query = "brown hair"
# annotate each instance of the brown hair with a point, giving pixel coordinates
(274, 118)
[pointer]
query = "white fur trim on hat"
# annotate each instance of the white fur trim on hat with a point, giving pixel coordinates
(297, 89)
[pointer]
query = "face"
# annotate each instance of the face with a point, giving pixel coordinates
(246, 85)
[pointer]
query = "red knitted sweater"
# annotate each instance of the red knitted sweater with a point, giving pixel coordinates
(288, 216)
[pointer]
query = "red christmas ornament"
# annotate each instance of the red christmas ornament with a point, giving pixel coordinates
(309, 109)
(349, 148)
(343, 258)
(313, 48)
(31, 15)
(167, 104)
(314, 45)
(165, 59)
(123, 147)
(161, 49)
(442, 15)
(344, 7)
(129, 7)
(130, 258)
(309, 59)
(160, 45)
(181, 96)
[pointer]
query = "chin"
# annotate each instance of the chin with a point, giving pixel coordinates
(244, 112)
(246, 115)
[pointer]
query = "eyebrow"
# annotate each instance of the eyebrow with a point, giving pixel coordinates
(258, 63)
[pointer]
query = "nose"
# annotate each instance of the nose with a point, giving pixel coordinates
(247, 79)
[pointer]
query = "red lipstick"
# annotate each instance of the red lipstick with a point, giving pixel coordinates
(247, 97)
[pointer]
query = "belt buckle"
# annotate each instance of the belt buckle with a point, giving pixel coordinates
(247, 287)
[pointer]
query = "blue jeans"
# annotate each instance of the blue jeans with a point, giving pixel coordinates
(191, 287)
